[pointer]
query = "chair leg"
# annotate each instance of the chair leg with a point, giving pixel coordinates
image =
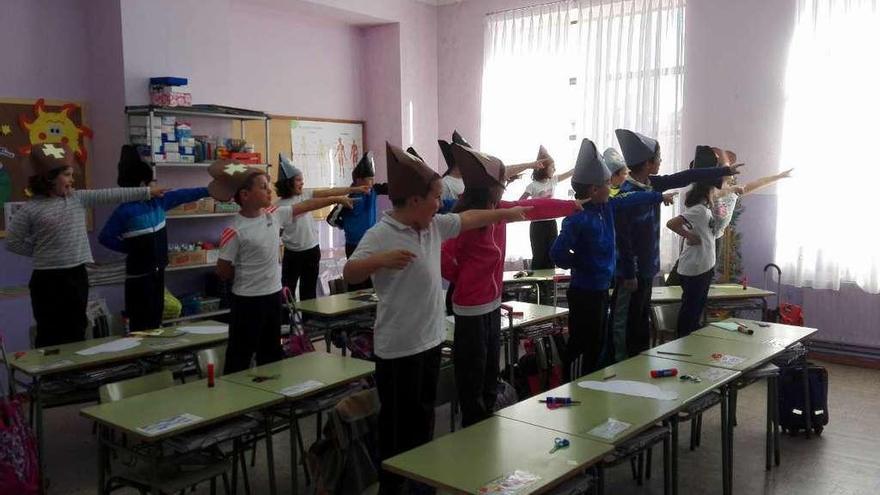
(254, 455)
(244, 473)
(226, 489)
(693, 432)
(633, 468)
(699, 428)
(648, 456)
(302, 449)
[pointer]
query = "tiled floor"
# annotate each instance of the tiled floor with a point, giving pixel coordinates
(845, 460)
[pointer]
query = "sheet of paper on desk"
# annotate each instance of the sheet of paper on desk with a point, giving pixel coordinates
(300, 388)
(169, 424)
(728, 360)
(204, 329)
(631, 388)
(51, 366)
(714, 374)
(609, 429)
(509, 484)
(112, 346)
(725, 325)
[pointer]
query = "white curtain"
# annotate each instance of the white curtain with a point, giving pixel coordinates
(554, 74)
(826, 232)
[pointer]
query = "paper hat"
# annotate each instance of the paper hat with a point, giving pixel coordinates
(613, 160)
(132, 170)
(229, 177)
(46, 157)
(286, 168)
(707, 157)
(543, 154)
(407, 174)
(590, 169)
(364, 168)
(636, 148)
(478, 170)
(446, 148)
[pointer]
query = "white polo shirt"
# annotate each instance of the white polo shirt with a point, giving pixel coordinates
(251, 245)
(411, 314)
(696, 260)
(453, 187)
(300, 232)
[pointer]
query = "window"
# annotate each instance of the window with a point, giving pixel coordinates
(555, 74)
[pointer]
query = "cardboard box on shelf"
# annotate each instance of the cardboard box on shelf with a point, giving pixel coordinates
(204, 205)
(188, 258)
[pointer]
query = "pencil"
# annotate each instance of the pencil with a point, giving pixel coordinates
(674, 353)
(609, 376)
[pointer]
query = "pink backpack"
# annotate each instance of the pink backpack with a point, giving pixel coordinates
(19, 470)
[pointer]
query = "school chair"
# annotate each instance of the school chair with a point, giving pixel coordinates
(664, 322)
(170, 475)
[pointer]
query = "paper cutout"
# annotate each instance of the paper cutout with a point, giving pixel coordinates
(112, 346)
(5, 129)
(727, 359)
(55, 127)
(509, 484)
(51, 366)
(170, 424)
(5, 153)
(725, 325)
(204, 329)
(610, 429)
(235, 168)
(631, 388)
(714, 374)
(301, 388)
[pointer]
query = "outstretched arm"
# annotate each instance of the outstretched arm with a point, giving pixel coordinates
(318, 203)
(474, 219)
(564, 175)
(512, 170)
(765, 181)
(340, 191)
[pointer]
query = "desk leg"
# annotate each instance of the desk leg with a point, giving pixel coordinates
(768, 440)
(102, 461)
(292, 430)
(726, 463)
(37, 397)
(270, 456)
(673, 425)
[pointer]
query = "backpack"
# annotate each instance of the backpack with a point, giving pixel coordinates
(345, 459)
(299, 342)
(335, 217)
(19, 469)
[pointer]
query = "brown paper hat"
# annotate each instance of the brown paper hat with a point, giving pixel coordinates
(407, 174)
(229, 177)
(543, 153)
(46, 157)
(478, 170)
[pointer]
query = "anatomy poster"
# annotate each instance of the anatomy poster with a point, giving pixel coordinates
(26, 123)
(326, 150)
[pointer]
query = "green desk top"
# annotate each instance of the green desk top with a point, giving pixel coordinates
(35, 363)
(532, 314)
(700, 350)
(337, 304)
(598, 406)
(329, 369)
(775, 334)
(468, 459)
(717, 292)
(536, 276)
(223, 401)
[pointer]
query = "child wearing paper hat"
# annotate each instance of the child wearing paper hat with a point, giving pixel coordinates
(51, 230)
(401, 254)
(586, 245)
(639, 228)
(474, 263)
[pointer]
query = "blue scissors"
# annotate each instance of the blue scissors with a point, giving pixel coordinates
(559, 443)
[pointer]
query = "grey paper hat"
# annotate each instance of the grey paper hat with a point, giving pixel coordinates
(613, 160)
(636, 147)
(590, 167)
(287, 169)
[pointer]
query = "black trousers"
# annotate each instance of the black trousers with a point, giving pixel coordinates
(301, 267)
(366, 284)
(407, 390)
(587, 317)
(145, 300)
(254, 328)
(694, 293)
(638, 319)
(58, 299)
(477, 364)
(542, 234)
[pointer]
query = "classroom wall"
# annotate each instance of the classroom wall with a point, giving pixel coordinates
(733, 96)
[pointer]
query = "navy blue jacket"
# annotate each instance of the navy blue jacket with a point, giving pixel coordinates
(137, 228)
(586, 243)
(638, 229)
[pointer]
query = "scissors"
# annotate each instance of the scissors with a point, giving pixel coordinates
(559, 443)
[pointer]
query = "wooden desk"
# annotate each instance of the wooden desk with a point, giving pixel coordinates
(698, 349)
(468, 459)
(338, 304)
(717, 292)
(774, 334)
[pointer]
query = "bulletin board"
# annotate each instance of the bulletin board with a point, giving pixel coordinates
(28, 122)
(287, 134)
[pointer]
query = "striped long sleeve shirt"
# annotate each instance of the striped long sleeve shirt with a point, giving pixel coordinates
(52, 230)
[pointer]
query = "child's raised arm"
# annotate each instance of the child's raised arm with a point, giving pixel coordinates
(318, 203)
(341, 191)
(474, 219)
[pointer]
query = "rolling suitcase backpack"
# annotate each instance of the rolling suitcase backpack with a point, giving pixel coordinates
(792, 399)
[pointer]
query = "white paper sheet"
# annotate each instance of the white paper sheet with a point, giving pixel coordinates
(714, 374)
(729, 360)
(112, 346)
(51, 366)
(300, 388)
(609, 429)
(170, 424)
(725, 325)
(630, 387)
(204, 329)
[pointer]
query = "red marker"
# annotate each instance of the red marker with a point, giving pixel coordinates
(664, 373)
(210, 375)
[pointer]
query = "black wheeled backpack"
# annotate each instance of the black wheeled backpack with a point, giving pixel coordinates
(793, 398)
